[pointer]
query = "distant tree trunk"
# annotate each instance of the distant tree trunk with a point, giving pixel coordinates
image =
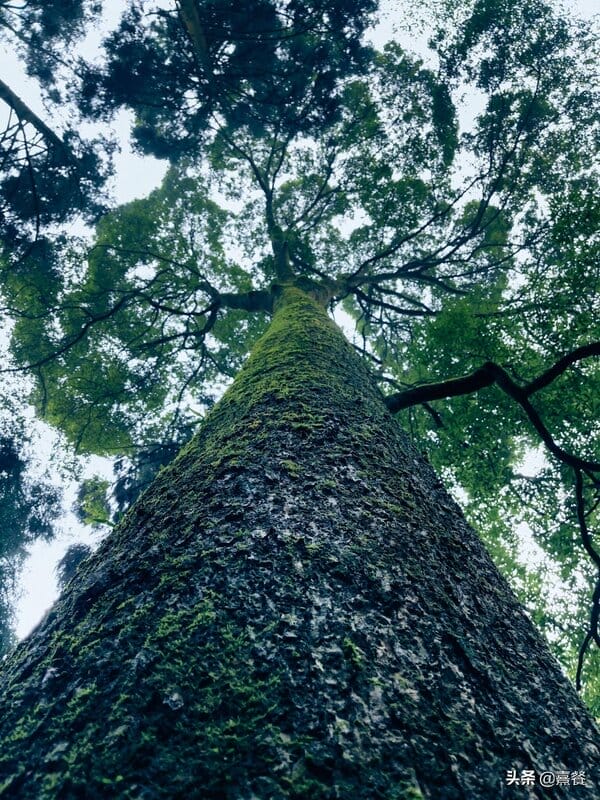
(295, 609)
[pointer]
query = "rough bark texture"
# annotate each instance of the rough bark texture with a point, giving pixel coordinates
(295, 609)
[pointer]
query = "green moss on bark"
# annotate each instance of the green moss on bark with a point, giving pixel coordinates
(295, 609)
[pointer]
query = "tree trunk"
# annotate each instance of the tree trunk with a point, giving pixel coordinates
(295, 609)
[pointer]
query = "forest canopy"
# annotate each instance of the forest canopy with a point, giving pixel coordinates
(447, 201)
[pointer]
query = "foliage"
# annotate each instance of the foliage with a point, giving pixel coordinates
(91, 507)
(259, 66)
(41, 30)
(448, 202)
(29, 505)
(47, 174)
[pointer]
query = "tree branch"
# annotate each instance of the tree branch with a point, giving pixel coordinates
(592, 632)
(491, 373)
(193, 25)
(454, 387)
(546, 378)
(255, 300)
(25, 114)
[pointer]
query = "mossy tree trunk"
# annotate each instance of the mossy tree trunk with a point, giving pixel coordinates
(295, 609)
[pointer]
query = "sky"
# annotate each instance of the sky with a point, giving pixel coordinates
(136, 177)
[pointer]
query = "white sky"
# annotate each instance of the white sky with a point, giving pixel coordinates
(135, 177)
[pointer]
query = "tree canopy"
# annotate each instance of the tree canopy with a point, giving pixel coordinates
(447, 201)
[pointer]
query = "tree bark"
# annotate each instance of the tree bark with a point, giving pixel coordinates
(295, 609)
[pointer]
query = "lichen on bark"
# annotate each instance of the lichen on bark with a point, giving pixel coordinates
(295, 609)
